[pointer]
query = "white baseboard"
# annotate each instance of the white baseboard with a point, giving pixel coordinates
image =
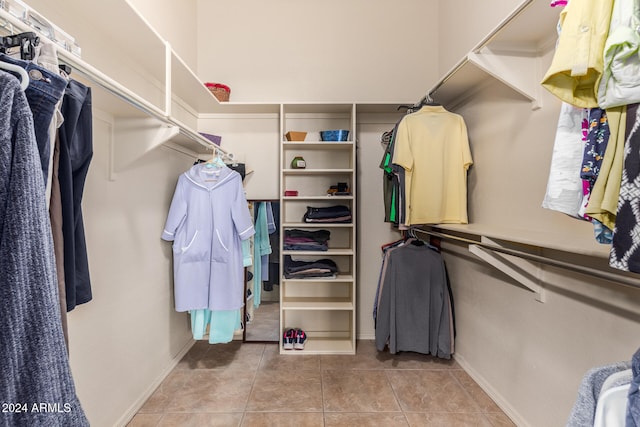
(493, 394)
(135, 407)
(369, 336)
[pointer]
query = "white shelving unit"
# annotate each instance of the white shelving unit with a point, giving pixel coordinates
(510, 54)
(324, 308)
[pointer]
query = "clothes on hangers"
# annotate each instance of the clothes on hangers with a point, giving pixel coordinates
(207, 220)
(564, 187)
(385, 249)
(43, 93)
(431, 192)
(596, 145)
(603, 202)
(625, 249)
(238, 167)
(414, 310)
(271, 228)
(273, 260)
(578, 64)
(220, 325)
(55, 100)
(262, 248)
(619, 84)
(76, 153)
(35, 365)
(390, 182)
(586, 167)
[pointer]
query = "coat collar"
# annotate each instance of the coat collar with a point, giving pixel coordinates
(203, 175)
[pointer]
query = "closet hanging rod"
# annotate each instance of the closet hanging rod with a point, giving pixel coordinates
(128, 96)
(107, 83)
(628, 281)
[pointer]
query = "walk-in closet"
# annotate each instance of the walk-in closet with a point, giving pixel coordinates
(460, 250)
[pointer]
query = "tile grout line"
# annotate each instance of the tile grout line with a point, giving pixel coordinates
(395, 395)
(253, 383)
(324, 420)
(464, 389)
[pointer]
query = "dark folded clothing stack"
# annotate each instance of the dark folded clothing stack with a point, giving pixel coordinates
(294, 269)
(331, 214)
(303, 240)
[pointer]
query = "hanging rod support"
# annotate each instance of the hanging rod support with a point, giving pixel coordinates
(500, 262)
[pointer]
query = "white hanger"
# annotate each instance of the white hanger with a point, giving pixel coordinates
(24, 77)
(215, 161)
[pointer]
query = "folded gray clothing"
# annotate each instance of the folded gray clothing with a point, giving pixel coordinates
(292, 266)
(310, 274)
(320, 236)
(305, 247)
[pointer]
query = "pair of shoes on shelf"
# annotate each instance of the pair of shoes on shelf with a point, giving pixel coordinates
(294, 339)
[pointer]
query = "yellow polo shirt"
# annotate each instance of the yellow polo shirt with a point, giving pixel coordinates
(432, 147)
(578, 63)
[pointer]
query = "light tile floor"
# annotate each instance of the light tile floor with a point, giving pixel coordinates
(250, 384)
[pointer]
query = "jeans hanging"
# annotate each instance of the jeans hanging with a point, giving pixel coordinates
(76, 151)
(43, 93)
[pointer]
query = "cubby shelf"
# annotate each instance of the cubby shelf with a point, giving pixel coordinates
(324, 307)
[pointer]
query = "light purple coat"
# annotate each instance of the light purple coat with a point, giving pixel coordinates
(207, 220)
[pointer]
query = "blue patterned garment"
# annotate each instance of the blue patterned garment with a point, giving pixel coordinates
(596, 144)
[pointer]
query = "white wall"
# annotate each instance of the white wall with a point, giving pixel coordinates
(286, 50)
(463, 23)
(175, 21)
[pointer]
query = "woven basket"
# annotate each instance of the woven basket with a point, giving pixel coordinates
(219, 90)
